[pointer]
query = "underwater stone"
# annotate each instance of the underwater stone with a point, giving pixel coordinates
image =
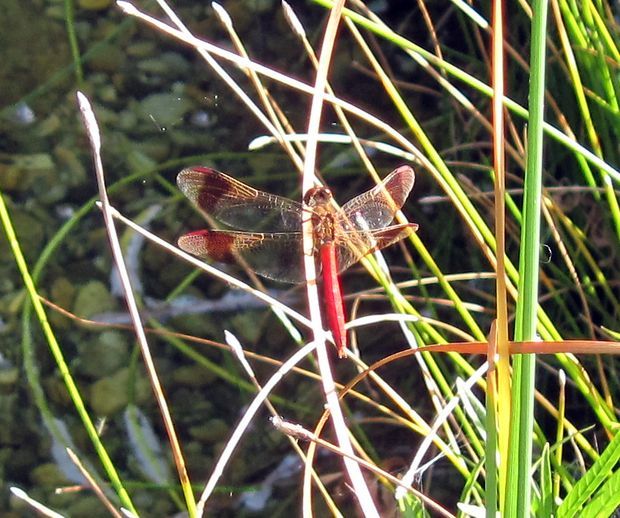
(212, 431)
(165, 109)
(93, 298)
(111, 394)
(104, 355)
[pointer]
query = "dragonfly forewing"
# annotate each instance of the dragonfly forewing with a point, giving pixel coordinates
(376, 208)
(236, 204)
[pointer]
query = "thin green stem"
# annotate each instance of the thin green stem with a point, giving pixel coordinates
(518, 491)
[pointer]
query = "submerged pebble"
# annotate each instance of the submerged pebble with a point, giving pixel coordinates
(111, 394)
(165, 110)
(93, 298)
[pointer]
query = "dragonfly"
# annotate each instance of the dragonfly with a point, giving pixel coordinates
(266, 230)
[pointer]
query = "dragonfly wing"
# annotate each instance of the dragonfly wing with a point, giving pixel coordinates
(353, 247)
(236, 204)
(376, 208)
(277, 255)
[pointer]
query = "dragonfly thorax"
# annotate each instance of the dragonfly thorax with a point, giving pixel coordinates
(319, 199)
(323, 227)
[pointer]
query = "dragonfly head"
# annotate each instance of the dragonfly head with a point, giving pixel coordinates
(317, 196)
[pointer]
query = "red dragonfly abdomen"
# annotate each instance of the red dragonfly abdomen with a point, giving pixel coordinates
(334, 304)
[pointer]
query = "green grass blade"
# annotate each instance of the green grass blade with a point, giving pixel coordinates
(597, 475)
(545, 501)
(552, 131)
(607, 501)
(73, 42)
(72, 388)
(518, 489)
